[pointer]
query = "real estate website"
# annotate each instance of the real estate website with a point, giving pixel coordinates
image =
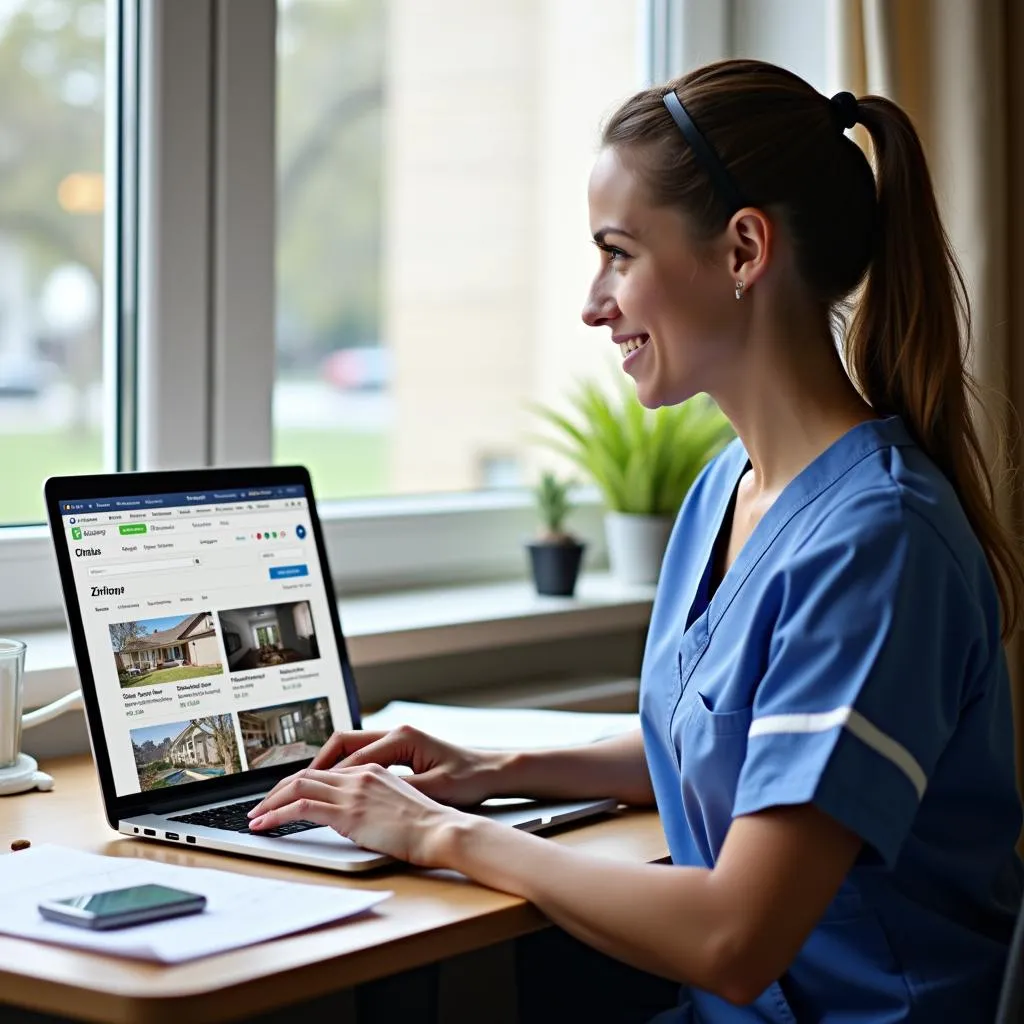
(208, 631)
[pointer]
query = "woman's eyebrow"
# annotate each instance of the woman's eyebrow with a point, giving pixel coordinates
(599, 236)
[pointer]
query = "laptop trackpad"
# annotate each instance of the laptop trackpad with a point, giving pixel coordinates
(319, 838)
(327, 841)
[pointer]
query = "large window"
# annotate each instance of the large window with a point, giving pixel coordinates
(52, 101)
(377, 282)
(433, 246)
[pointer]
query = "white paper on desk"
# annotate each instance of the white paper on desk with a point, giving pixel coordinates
(240, 909)
(503, 728)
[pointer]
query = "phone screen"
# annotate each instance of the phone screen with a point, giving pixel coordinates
(134, 898)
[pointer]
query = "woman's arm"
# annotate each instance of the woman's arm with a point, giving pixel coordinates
(611, 768)
(731, 930)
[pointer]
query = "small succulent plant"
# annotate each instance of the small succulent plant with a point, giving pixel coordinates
(553, 505)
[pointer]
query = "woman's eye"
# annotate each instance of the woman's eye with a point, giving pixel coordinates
(612, 253)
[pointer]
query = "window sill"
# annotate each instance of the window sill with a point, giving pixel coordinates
(407, 624)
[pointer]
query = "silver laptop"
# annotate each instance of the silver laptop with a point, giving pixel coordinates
(211, 656)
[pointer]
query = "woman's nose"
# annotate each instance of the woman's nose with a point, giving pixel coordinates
(599, 309)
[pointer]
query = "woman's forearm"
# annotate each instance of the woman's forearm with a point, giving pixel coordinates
(610, 768)
(731, 930)
(628, 911)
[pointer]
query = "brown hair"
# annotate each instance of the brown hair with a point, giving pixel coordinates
(906, 342)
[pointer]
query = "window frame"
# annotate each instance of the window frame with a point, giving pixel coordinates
(199, 269)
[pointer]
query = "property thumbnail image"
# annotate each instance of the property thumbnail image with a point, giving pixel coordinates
(189, 751)
(165, 650)
(286, 732)
(273, 634)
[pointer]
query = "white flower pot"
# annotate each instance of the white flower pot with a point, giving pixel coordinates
(636, 545)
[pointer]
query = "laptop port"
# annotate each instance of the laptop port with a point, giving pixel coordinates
(170, 835)
(149, 831)
(190, 839)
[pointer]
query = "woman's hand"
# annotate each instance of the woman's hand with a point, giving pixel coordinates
(368, 805)
(441, 771)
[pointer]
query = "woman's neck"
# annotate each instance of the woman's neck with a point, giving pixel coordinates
(789, 399)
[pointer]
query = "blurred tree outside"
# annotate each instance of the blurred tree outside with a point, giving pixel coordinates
(51, 163)
(329, 158)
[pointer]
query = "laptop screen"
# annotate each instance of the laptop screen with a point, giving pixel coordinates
(208, 632)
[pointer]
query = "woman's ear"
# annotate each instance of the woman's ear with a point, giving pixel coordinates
(750, 238)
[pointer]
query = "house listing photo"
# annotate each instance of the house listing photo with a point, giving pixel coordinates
(165, 650)
(285, 732)
(187, 751)
(266, 635)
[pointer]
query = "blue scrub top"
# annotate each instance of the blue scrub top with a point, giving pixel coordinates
(850, 658)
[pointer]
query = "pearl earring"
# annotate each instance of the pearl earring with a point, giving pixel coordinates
(739, 289)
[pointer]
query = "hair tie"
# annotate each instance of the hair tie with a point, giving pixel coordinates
(845, 110)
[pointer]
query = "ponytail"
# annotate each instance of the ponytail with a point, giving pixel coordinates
(906, 346)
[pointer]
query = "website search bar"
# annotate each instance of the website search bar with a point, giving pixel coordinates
(158, 565)
(283, 553)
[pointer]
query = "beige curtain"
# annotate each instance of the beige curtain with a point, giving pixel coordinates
(957, 67)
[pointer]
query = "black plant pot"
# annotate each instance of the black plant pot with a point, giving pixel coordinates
(555, 566)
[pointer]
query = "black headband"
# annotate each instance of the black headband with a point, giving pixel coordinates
(706, 156)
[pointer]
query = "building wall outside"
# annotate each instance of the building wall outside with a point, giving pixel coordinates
(492, 122)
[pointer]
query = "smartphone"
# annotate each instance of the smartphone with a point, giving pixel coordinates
(118, 908)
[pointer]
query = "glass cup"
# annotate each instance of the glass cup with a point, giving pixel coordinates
(12, 679)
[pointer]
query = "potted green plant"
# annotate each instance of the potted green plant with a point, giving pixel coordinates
(555, 555)
(643, 461)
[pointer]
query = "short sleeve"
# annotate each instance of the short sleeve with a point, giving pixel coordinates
(868, 667)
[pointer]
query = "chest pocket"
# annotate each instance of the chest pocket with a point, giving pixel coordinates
(712, 746)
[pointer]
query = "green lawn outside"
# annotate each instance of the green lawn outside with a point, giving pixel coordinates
(171, 675)
(343, 465)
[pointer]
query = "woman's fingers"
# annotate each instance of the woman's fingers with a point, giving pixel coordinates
(286, 781)
(403, 745)
(341, 745)
(384, 752)
(309, 783)
(302, 809)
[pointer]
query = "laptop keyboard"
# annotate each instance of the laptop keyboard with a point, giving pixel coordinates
(232, 818)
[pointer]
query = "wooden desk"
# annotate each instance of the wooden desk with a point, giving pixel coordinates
(432, 915)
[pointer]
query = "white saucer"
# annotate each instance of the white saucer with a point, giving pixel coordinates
(22, 776)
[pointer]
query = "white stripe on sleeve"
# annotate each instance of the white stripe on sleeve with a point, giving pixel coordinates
(849, 718)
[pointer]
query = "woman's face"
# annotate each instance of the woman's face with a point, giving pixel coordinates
(669, 304)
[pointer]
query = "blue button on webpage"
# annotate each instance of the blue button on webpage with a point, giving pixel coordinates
(283, 572)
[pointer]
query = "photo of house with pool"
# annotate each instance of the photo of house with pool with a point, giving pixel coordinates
(187, 751)
(165, 650)
(285, 732)
(267, 635)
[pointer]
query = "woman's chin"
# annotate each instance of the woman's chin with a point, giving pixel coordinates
(648, 396)
(652, 395)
